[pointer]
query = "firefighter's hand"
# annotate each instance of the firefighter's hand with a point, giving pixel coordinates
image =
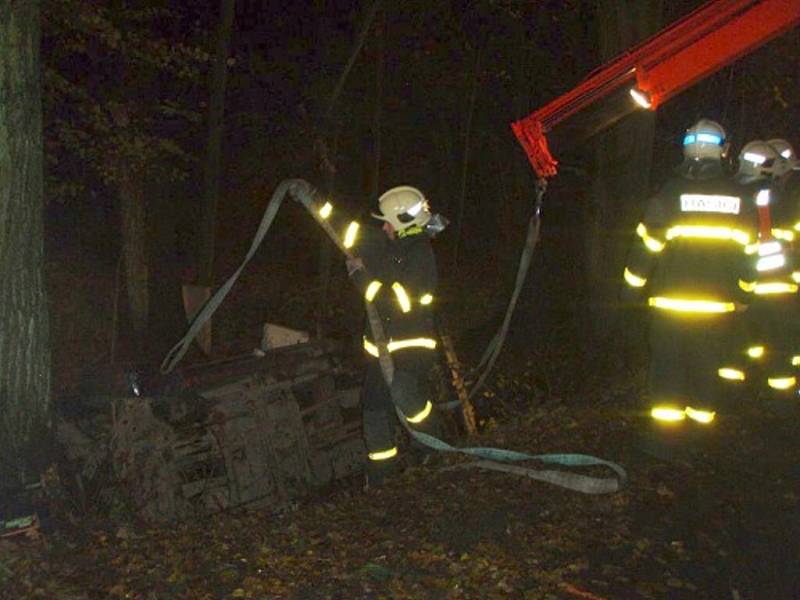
(354, 265)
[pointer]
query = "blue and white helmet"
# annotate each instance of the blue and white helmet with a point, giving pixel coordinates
(705, 139)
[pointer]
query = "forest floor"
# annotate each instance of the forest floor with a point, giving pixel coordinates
(723, 523)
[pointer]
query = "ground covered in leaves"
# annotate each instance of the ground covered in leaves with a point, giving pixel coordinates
(724, 524)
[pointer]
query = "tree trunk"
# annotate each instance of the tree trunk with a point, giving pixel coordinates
(622, 170)
(377, 111)
(473, 94)
(216, 113)
(134, 255)
(24, 327)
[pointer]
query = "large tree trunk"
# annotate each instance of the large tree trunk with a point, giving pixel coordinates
(216, 113)
(622, 170)
(24, 331)
(134, 256)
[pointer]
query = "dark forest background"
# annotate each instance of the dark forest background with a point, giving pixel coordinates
(428, 102)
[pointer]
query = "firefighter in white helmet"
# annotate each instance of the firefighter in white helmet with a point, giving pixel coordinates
(688, 258)
(400, 280)
(772, 335)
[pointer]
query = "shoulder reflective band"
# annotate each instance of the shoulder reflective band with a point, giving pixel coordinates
(731, 374)
(351, 234)
(747, 286)
(426, 299)
(402, 297)
(395, 345)
(796, 276)
(708, 233)
(783, 234)
(326, 210)
(650, 242)
(691, 306)
(372, 290)
(781, 383)
(384, 454)
(634, 280)
(770, 263)
(796, 361)
(421, 415)
(776, 287)
(710, 203)
(700, 416)
(665, 413)
(755, 351)
(797, 226)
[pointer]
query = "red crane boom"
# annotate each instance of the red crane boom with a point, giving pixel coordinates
(704, 41)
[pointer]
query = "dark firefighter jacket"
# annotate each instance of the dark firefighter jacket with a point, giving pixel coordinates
(400, 279)
(695, 243)
(401, 283)
(775, 258)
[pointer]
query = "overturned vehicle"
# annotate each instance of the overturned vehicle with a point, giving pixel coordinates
(258, 430)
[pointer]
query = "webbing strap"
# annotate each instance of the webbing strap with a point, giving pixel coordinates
(491, 458)
(179, 350)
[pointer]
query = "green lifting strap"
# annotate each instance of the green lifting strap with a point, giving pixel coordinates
(490, 458)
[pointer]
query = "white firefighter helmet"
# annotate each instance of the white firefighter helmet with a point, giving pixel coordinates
(759, 160)
(704, 139)
(403, 207)
(783, 147)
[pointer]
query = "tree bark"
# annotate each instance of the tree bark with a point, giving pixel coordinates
(134, 248)
(216, 113)
(473, 94)
(622, 170)
(24, 325)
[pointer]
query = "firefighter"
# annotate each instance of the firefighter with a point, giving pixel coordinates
(400, 280)
(773, 328)
(688, 258)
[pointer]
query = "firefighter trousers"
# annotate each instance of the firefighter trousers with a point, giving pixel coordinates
(412, 393)
(686, 352)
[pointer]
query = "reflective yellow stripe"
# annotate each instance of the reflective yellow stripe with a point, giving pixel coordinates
(402, 297)
(776, 287)
(371, 348)
(383, 454)
(326, 210)
(796, 276)
(783, 234)
(755, 351)
(372, 290)
(692, 306)
(796, 361)
(421, 415)
(426, 299)
(634, 280)
(664, 413)
(731, 374)
(393, 346)
(747, 286)
(781, 383)
(705, 232)
(701, 416)
(650, 242)
(429, 343)
(351, 234)
(797, 226)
